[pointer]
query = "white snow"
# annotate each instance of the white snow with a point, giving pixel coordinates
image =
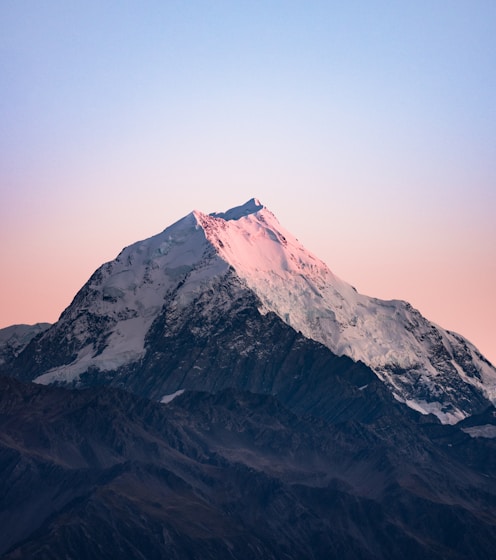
(132, 292)
(486, 431)
(289, 280)
(253, 205)
(434, 407)
(125, 345)
(168, 398)
(300, 288)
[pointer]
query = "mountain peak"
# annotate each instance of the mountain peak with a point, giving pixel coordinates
(108, 324)
(251, 207)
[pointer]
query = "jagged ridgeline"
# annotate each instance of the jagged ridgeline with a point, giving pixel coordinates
(232, 299)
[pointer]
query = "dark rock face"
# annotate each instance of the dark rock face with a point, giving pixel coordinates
(101, 473)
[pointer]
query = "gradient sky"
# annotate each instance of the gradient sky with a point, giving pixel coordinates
(368, 128)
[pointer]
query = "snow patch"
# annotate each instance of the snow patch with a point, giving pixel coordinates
(452, 416)
(168, 398)
(250, 207)
(486, 431)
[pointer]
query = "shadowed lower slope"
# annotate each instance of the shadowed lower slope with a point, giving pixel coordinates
(101, 473)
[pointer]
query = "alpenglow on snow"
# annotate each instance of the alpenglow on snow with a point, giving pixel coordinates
(426, 367)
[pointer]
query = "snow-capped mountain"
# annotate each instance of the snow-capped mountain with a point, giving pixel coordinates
(198, 270)
(15, 338)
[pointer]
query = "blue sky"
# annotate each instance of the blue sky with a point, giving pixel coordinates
(368, 128)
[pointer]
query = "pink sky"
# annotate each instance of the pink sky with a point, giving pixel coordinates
(371, 134)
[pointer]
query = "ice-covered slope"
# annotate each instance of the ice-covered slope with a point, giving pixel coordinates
(428, 368)
(425, 365)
